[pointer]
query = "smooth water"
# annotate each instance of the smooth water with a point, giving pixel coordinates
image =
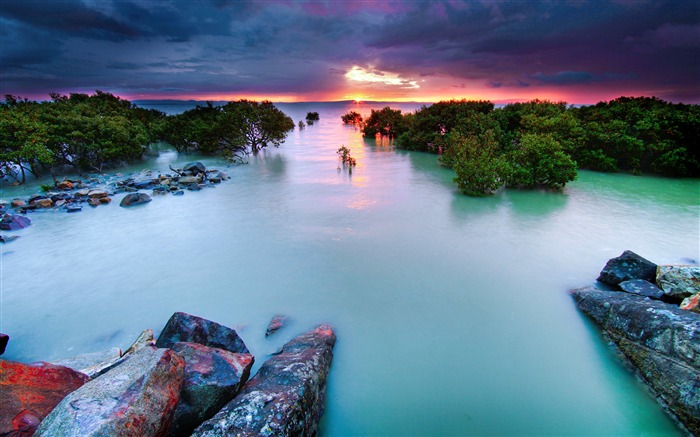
(452, 313)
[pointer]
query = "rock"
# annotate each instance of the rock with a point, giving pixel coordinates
(195, 168)
(73, 208)
(661, 340)
(4, 339)
(212, 378)
(25, 423)
(275, 324)
(178, 193)
(82, 193)
(183, 327)
(135, 199)
(93, 201)
(187, 180)
(678, 282)
(32, 390)
(11, 222)
(97, 194)
(41, 203)
(642, 287)
(285, 397)
(83, 362)
(61, 196)
(144, 340)
(8, 238)
(65, 185)
(691, 303)
(627, 266)
(138, 398)
(59, 203)
(18, 203)
(105, 200)
(142, 184)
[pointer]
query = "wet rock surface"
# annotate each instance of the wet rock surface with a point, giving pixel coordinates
(678, 282)
(277, 322)
(285, 397)
(28, 392)
(661, 340)
(627, 266)
(183, 327)
(212, 378)
(133, 199)
(137, 398)
(13, 222)
(641, 287)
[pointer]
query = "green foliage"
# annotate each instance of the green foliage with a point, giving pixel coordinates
(82, 131)
(243, 126)
(311, 117)
(539, 161)
(385, 122)
(429, 126)
(352, 117)
(346, 159)
(480, 169)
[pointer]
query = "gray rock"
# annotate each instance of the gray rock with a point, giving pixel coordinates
(678, 282)
(135, 199)
(642, 287)
(138, 398)
(8, 238)
(212, 378)
(85, 361)
(195, 168)
(627, 266)
(659, 339)
(187, 180)
(73, 208)
(285, 397)
(183, 327)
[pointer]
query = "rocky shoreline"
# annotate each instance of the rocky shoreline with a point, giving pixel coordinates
(192, 380)
(651, 316)
(72, 195)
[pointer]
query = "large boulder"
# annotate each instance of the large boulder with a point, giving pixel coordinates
(195, 168)
(4, 339)
(183, 327)
(285, 397)
(135, 199)
(678, 282)
(661, 340)
(28, 392)
(212, 378)
(12, 222)
(627, 266)
(138, 398)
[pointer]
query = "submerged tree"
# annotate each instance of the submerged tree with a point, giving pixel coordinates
(352, 117)
(386, 122)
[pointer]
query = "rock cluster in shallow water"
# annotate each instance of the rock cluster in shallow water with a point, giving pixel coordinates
(71, 196)
(196, 370)
(659, 337)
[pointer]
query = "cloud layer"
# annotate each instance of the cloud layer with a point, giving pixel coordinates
(579, 51)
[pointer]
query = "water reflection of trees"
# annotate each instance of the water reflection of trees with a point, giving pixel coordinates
(380, 143)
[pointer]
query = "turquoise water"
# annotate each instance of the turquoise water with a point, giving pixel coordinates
(452, 313)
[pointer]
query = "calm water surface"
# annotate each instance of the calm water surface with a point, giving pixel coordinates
(452, 313)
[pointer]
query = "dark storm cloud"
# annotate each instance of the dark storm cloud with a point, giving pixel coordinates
(281, 47)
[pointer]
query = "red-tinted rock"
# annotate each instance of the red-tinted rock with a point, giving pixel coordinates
(136, 398)
(35, 388)
(97, 194)
(192, 329)
(25, 423)
(105, 200)
(18, 203)
(285, 397)
(691, 303)
(41, 203)
(212, 378)
(135, 199)
(65, 185)
(94, 201)
(275, 324)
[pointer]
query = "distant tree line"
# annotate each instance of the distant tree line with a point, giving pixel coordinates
(91, 132)
(542, 143)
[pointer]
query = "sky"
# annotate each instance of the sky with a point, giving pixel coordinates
(578, 51)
